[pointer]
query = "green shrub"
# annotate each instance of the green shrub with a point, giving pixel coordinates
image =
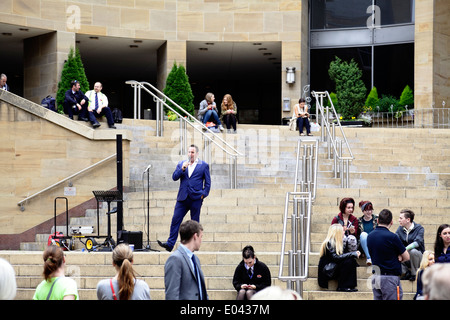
(387, 101)
(407, 98)
(372, 99)
(350, 89)
(73, 69)
(179, 90)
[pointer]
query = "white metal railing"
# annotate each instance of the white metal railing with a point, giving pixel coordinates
(306, 166)
(186, 119)
(335, 146)
(22, 202)
(435, 118)
(297, 222)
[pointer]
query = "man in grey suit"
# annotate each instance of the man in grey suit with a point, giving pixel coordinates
(183, 276)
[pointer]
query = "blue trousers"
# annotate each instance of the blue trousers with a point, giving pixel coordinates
(181, 208)
(208, 115)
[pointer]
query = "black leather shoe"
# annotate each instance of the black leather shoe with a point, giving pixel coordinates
(112, 126)
(83, 119)
(165, 245)
(96, 125)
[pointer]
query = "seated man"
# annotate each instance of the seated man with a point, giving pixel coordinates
(75, 102)
(412, 236)
(98, 106)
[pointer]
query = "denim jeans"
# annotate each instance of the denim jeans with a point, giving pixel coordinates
(208, 115)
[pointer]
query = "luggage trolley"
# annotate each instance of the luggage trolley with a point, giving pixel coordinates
(58, 238)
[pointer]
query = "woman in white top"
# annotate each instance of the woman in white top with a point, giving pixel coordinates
(301, 112)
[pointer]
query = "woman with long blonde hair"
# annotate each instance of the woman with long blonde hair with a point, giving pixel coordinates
(427, 261)
(335, 263)
(228, 112)
(124, 286)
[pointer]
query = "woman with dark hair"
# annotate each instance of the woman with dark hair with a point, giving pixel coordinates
(349, 222)
(55, 285)
(301, 113)
(367, 223)
(124, 286)
(441, 252)
(251, 275)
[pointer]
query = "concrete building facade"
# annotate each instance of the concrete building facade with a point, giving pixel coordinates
(227, 46)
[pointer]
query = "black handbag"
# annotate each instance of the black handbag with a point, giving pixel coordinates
(329, 269)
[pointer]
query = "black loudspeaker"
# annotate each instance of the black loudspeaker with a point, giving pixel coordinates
(130, 237)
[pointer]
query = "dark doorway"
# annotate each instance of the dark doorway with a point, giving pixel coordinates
(249, 71)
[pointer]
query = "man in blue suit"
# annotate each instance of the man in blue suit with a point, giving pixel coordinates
(195, 183)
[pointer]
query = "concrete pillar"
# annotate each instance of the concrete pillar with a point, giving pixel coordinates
(431, 65)
(168, 53)
(295, 54)
(44, 58)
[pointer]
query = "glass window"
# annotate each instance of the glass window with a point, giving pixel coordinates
(395, 11)
(332, 14)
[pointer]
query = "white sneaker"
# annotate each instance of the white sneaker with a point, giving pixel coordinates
(221, 128)
(369, 262)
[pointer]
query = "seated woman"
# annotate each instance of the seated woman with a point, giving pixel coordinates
(301, 113)
(335, 264)
(349, 222)
(251, 275)
(229, 112)
(367, 223)
(208, 111)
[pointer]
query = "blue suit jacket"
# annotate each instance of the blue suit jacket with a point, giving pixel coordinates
(179, 277)
(197, 185)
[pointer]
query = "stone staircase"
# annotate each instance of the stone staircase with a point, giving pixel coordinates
(393, 168)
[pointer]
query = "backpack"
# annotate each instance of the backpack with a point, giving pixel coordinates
(117, 115)
(49, 102)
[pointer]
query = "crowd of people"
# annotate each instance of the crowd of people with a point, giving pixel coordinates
(393, 256)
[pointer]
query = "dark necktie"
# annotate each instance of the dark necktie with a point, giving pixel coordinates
(96, 101)
(197, 277)
(250, 273)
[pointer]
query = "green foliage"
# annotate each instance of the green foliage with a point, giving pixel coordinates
(388, 101)
(333, 98)
(179, 90)
(372, 99)
(407, 97)
(350, 89)
(73, 69)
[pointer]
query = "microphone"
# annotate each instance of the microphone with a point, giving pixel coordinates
(148, 168)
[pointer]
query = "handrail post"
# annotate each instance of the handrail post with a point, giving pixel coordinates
(183, 137)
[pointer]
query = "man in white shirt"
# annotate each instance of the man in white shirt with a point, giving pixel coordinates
(3, 84)
(98, 106)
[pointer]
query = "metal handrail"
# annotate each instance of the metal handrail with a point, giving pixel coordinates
(308, 162)
(333, 142)
(160, 99)
(22, 202)
(300, 219)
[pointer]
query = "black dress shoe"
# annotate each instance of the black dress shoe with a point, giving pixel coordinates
(165, 245)
(96, 125)
(112, 126)
(347, 289)
(83, 119)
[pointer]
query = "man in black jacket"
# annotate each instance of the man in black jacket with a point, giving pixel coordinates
(75, 102)
(251, 275)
